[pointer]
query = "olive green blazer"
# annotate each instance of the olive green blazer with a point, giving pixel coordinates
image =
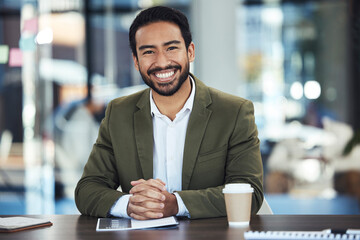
(221, 147)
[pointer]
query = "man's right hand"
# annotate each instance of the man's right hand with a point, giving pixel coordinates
(148, 199)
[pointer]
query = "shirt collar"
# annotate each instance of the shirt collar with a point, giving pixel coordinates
(188, 104)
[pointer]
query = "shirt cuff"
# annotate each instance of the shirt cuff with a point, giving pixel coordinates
(183, 211)
(119, 209)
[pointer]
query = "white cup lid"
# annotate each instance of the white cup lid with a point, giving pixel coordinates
(238, 188)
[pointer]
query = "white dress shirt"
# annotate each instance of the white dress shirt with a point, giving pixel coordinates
(168, 150)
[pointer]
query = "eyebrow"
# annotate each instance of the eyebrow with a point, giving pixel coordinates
(171, 42)
(165, 44)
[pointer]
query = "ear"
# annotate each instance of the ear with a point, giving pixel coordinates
(136, 63)
(191, 52)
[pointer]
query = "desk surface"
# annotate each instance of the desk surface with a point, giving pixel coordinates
(67, 227)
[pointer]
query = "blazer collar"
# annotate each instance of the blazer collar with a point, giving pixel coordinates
(202, 95)
(143, 130)
(198, 121)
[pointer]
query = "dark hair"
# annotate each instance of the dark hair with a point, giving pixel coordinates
(157, 14)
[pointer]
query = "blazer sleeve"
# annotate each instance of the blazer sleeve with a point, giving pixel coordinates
(96, 191)
(243, 165)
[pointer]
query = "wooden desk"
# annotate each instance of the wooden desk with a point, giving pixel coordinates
(68, 227)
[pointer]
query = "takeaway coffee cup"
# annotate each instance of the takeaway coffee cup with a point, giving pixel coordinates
(238, 203)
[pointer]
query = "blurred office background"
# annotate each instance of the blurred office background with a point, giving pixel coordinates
(61, 61)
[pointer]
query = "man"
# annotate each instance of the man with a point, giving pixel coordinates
(171, 147)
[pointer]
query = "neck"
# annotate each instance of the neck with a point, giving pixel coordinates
(171, 105)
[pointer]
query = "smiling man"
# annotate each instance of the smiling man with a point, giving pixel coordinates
(172, 147)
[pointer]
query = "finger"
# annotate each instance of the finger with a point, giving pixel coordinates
(148, 192)
(151, 195)
(136, 211)
(146, 215)
(133, 208)
(159, 180)
(143, 187)
(155, 183)
(158, 183)
(146, 203)
(137, 182)
(138, 217)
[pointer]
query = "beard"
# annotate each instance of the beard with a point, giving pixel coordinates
(170, 88)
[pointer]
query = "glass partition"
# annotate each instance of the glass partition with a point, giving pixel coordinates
(294, 58)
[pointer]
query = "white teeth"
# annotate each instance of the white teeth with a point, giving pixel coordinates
(164, 75)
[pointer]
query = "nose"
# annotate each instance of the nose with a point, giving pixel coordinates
(162, 60)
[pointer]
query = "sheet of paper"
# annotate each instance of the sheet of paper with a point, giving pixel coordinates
(139, 224)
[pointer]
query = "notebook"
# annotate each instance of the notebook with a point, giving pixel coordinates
(289, 235)
(14, 224)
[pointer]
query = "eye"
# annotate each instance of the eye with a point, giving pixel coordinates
(148, 52)
(172, 48)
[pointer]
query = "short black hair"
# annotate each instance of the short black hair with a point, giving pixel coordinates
(158, 14)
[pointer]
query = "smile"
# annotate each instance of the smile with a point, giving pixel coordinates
(165, 75)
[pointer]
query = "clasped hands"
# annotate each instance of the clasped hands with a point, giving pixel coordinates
(150, 200)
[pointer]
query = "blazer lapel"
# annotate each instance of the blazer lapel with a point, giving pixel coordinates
(198, 121)
(143, 129)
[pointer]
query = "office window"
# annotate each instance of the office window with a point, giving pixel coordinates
(295, 62)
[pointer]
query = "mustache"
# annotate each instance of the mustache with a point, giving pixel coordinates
(157, 69)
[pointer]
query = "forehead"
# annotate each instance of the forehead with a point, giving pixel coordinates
(157, 33)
